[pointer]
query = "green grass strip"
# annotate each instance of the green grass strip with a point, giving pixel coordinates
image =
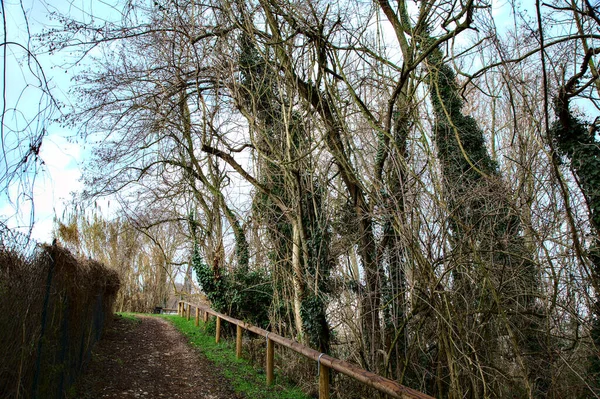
(129, 316)
(240, 373)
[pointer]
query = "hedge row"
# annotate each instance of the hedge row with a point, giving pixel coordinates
(53, 308)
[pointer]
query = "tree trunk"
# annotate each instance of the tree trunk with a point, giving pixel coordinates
(298, 279)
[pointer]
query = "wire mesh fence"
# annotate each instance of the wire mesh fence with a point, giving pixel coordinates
(53, 308)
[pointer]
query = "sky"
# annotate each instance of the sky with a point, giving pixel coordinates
(53, 181)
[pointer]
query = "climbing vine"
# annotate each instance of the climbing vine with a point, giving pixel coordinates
(242, 293)
(314, 304)
(576, 141)
(487, 238)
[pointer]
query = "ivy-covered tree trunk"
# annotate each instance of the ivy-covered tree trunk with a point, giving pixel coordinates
(495, 280)
(281, 139)
(577, 141)
(318, 264)
(259, 97)
(392, 248)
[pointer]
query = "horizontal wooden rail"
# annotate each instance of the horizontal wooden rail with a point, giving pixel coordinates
(325, 361)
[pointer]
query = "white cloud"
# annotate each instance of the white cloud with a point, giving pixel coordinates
(53, 191)
(54, 183)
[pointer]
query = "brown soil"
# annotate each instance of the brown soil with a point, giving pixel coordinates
(149, 359)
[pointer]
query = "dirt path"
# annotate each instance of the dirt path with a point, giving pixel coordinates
(149, 359)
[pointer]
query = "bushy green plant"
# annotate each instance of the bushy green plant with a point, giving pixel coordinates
(314, 322)
(243, 294)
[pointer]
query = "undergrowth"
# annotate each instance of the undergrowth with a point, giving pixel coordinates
(239, 372)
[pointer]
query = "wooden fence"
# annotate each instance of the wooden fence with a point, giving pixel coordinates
(325, 362)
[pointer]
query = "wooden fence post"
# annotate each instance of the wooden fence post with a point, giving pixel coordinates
(178, 308)
(323, 381)
(218, 335)
(205, 317)
(197, 316)
(270, 359)
(238, 342)
(189, 311)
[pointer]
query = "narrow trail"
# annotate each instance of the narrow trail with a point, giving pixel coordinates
(149, 359)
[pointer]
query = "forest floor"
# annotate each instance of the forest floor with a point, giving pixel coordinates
(148, 358)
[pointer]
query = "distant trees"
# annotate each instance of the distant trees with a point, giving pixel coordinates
(380, 174)
(142, 256)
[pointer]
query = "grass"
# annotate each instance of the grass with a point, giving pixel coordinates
(129, 317)
(239, 372)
